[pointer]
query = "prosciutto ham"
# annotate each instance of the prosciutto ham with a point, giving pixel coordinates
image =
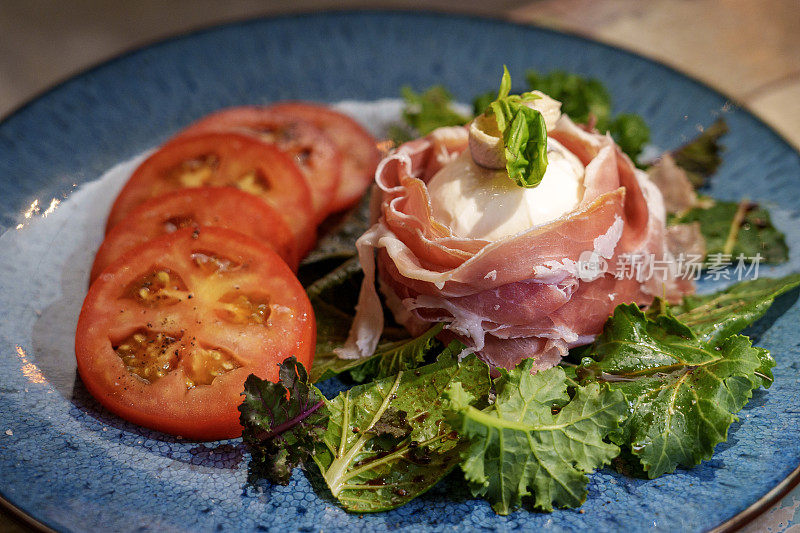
(528, 295)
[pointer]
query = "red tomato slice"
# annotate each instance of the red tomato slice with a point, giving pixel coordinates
(170, 331)
(224, 160)
(360, 156)
(223, 207)
(313, 152)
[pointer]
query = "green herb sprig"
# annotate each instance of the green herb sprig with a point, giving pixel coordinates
(523, 132)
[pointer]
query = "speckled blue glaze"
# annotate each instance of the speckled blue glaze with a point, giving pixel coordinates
(73, 466)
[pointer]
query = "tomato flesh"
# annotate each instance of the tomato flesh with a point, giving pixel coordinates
(223, 207)
(169, 332)
(224, 160)
(147, 354)
(360, 155)
(315, 154)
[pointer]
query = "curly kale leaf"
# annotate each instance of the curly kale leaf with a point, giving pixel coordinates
(281, 422)
(534, 440)
(682, 392)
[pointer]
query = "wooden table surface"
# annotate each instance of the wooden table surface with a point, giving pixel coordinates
(747, 49)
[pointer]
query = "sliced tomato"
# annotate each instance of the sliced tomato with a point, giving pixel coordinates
(170, 331)
(360, 156)
(223, 207)
(224, 160)
(313, 152)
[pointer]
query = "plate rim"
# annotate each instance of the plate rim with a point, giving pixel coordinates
(15, 514)
(735, 522)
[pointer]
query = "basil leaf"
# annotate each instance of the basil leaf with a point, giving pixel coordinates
(734, 229)
(526, 147)
(682, 392)
(535, 440)
(369, 467)
(524, 134)
(505, 85)
(281, 421)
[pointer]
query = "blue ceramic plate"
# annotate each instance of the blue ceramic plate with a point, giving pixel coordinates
(73, 466)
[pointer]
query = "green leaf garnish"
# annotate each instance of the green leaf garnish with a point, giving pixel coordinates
(714, 317)
(534, 440)
(683, 392)
(426, 111)
(630, 132)
(764, 371)
(586, 100)
(523, 132)
(373, 458)
(734, 228)
(481, 102)
(281, 422)
(583, 99)
(700, 157)
(730, 229)
(392, 357)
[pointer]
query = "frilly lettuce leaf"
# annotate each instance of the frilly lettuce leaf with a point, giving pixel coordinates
(630, 132)
(338, 244)
(534, 440)
(683, 392)
(583, 99)
(388, 441)
(334, 298)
